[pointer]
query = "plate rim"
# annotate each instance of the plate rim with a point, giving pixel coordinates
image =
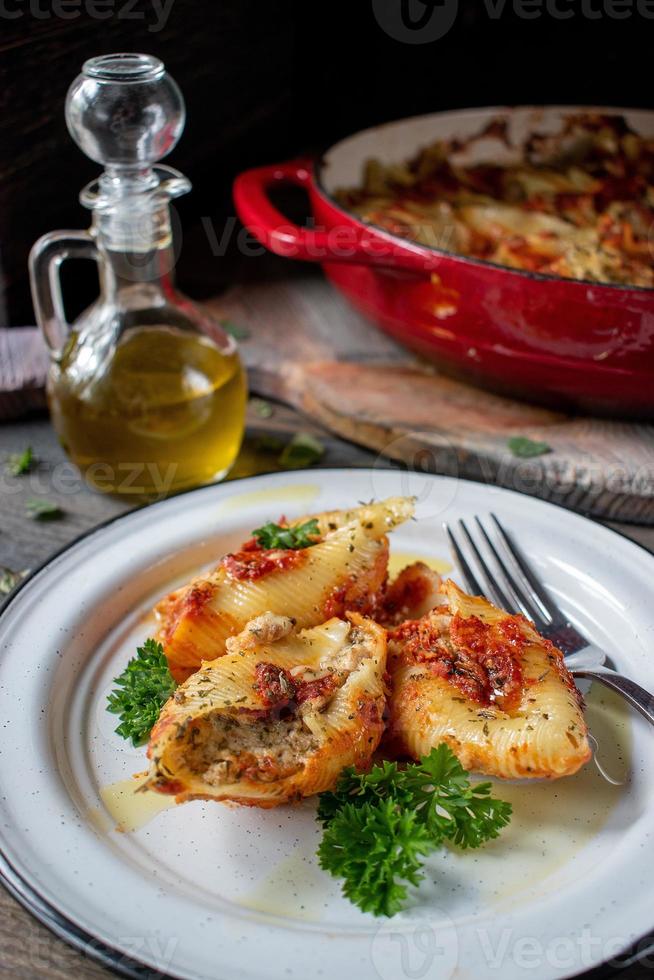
(126, 965)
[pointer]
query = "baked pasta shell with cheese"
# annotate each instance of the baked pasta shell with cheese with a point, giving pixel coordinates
(346, 570)
(277, 717)
(536, 729)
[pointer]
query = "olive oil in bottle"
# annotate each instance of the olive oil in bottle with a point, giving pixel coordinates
(146, 391)
(166, 414)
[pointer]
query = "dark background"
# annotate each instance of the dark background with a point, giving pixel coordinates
(267, 79)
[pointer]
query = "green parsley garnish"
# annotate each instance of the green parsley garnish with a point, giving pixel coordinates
(43, 510)
(276, 536)
(303, 450)
(375, 848)
(526, 448)
(261, 408)
(20, 463)
(379, 825)
(141, 692)
(9, 580)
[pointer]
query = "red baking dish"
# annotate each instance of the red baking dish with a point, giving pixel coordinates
(570, 343)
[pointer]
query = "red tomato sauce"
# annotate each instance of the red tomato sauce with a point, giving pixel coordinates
(278, 689)
(483, 660)
(274, 684)
(322, 687)
(251, 565)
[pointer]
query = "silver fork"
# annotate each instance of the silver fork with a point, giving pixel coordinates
(513, 586)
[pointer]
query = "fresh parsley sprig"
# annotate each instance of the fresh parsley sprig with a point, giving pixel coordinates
(10, 579)
(301, 452)
(379, 824)
(376, 848)
(141, 691)
(20, 463)
(43, 510)
(525, 448)
(276, 536)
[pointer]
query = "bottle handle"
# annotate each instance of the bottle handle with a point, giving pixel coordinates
(45, 260)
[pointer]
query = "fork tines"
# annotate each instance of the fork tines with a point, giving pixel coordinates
(493, 566)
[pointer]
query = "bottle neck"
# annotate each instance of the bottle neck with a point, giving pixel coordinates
(136, 251)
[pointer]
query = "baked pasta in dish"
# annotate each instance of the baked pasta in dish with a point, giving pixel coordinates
(488, 685)
(344, 570)
(578, 204)
(277, 717)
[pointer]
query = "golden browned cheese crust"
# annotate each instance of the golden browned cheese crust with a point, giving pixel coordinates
(576, 204)
(490, 687)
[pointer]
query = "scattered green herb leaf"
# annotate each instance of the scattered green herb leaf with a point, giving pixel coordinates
(20, 463)
(527, 448)
(141, 691)
(43, 510)
(261, 408)
(276, 536)
(234, 330)
(303, 450)
(9, 580)
(379, 824)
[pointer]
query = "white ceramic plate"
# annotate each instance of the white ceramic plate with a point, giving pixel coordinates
(205, 890)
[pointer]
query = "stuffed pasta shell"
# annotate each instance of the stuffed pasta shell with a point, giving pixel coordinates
(277, 717)
(413, 593)
(486, 683)
(345, 569)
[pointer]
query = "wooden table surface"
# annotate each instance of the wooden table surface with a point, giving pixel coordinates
(27, 949)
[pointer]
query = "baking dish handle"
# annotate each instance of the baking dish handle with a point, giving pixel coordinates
(350, 242)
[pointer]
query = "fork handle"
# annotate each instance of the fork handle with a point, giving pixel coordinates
(636, 695)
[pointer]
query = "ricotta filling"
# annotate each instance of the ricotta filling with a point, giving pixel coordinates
(224, 748)
(227, 749)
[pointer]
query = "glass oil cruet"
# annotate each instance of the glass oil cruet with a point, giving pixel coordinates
(146, 391)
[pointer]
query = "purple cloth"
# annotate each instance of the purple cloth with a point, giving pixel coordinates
(23, 368)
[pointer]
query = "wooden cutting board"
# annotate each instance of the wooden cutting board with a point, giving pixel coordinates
(307, 347)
